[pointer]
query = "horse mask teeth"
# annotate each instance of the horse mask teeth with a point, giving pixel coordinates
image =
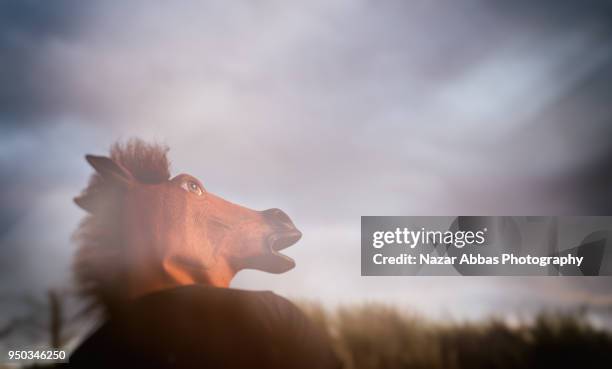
(284, 240)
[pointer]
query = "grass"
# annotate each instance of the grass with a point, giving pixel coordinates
(382, 337)
(377, 336)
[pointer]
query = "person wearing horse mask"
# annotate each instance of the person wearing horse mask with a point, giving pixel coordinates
(158, 255)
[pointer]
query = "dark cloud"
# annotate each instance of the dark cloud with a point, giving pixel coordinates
(26, 27)
(555, 14)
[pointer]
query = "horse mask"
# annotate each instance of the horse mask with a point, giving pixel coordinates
(173, 232)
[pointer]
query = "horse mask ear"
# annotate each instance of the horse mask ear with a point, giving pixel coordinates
(109, 170)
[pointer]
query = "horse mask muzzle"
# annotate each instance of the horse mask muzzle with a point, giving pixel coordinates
(284, 234)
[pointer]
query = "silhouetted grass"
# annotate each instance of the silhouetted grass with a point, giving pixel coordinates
(382, 337)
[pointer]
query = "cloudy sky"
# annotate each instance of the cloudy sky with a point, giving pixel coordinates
(328, 109)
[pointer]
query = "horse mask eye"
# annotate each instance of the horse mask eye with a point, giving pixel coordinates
(191, 186)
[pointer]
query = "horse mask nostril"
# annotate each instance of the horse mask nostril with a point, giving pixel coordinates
(278, 216)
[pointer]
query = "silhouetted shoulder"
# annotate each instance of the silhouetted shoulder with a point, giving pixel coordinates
(202, 327)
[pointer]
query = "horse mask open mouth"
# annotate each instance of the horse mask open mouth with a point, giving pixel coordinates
(284, 235)
(174, 227)
(280, 241)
